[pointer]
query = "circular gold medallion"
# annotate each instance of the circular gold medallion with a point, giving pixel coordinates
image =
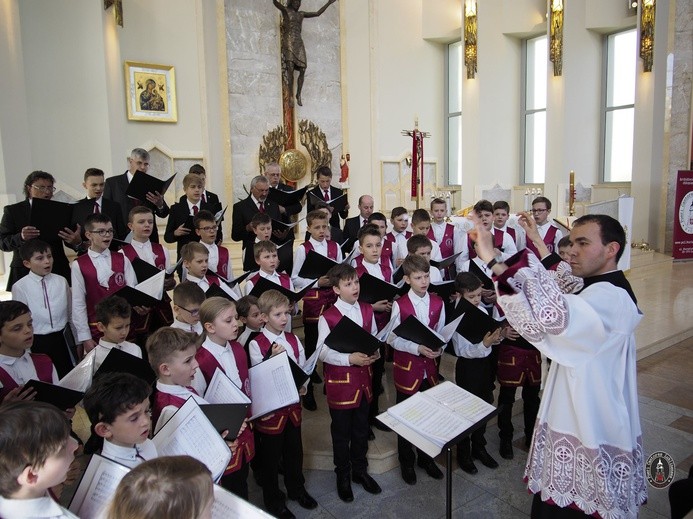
(294, 165)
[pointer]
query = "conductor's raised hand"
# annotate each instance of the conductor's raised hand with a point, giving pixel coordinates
(529, 224)
(483, 240)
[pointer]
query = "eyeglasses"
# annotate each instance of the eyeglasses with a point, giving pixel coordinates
(103, 232)
(45, 189)
(194, 313)
(535, 211)
(209, 228)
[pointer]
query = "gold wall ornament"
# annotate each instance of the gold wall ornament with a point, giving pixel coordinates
(556, 32)
(273, 144)
(117, 10)
(315, 142)
(294, 165)
(647, 33)
(470, 28)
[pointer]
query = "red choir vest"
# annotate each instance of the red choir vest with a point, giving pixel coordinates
(162, 400)
(275, 422)
(44, 371)
(94, 291)
(317, 299)
(549, 238)
(208, 365)
(407, 369)
(497, 243)
(212, 279)
(346, 385)
(223, 265)
(447, 246)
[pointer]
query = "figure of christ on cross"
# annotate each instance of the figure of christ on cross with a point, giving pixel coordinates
(293, 50)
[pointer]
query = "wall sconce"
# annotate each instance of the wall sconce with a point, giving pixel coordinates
(556, 32)
(647, 33)
(470, 37)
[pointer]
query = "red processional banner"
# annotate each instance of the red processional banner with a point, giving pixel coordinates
(683, 216)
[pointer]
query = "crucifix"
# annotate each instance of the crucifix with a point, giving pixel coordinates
(417, 161)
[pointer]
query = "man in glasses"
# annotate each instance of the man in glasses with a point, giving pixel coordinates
(15, 229)
(550, 234)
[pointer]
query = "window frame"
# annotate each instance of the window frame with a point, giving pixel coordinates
(448, 116)
(524, 112)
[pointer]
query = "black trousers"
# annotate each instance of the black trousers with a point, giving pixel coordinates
(475, 376)
(506, 399)
(349, 431)
(378, 370)
(405, 450)
(310, 331)
(54, 345)
(275, 447)
(237, 482)
(543, 510)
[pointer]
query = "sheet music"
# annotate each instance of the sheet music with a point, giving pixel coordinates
(170, 270)
(190, 432)
(97, 487)
(79, 378)
(220, 214)
(410, 435)
(460, 401)
(272, 386)
(229, 506)
(449, 329)
(222, 391)
(154, 286)
(312, 361)
(385, 332)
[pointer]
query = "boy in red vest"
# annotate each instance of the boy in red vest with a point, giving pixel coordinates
(398, 236)
(379, 220)
(96, 275)
(195, 260)
(280, 431)
(320, 298)
(265, 253)
(17, 364)
(441, 232)
(414, 367)
(501, 214)
(348, 383)
(141, 224)
(219, 258)
(550, 234)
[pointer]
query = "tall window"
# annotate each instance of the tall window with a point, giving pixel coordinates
(533, 131)
(453, 129)
(618, 109)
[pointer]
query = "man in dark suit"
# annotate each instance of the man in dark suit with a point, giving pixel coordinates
(243, 213)
(15, 229)
(273, 172)
(352, 225)
(117, 186)
(95, 203)
(326, 192)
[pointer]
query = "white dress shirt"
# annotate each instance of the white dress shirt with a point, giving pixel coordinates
(191, 211)
(399, 246)
(22, 369)
(204, 285)
(175, 390)
(509, 247)
(104, 347)
(439, 231)
(145, 252)
(213, 259)
(38, 508)
(374, 269)
(48, 299)
(102, 263)
(421, 307)
(273, 277)
(256, 357)
(329, 355)
(226, 360)
(243, 337)
(520, 235)
(464, 348)
(300, 257)
(196, 328)
(130, 456)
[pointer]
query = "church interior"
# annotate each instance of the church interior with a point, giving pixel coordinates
(503, 121)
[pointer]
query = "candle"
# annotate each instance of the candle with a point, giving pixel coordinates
(571, 198)
(526, 199)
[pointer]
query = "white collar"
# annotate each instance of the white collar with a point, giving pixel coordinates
(141, 244)
(216, 349)
(9, 360)
(130, 175)
(273, 336)
(36, 278)
(256, 201)
(317, 243)
(191, 205)
(273, 275)
(343, 306)
(190, 277)
(110, 345)
(415, 299)
(94, 254)
(43, 506)
(174, 389)
(112, 450)
(210, 246)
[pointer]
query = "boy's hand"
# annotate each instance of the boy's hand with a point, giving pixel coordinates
(302, 390)
(181, 230)
(492, 338)
(169, 283)
(360, 359)
(89, 345)
(277, 349)
(324, 281)
(428, 352)
(70, 413)
(382, 306)
(20, 393)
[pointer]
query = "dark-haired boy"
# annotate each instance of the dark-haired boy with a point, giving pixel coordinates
(36, 451)
(48, 297)
(261, 224)
(251, 317)
(398, 236)
(550, 234)
(17, 364)
(414, 368)
(348, 384)
(187, 299)
(96, 275)
(501, 215)
(113, 316)
(117, 405)
(441, 232)
(327, 192)
(206, 228)
(380, 221)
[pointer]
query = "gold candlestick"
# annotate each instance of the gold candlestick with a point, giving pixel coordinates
(571, 207)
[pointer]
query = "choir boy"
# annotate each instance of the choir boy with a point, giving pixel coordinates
(564, 246)
(280, 431)
(112, 316)
(380, 221)
(501, 215)
(348, 385)
(207, 197)
(187, 299)
(48, 297)
(219, 257)
(195, 260)
(266, 258)
(399, 235)
(251, 317)
(261, 224)
(318, 299)
(414, 366)
(441, 232)
(420, 225)
(420, 245)
(550, 234)
(96, 275)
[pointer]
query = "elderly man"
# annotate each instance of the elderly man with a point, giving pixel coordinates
(116, 187)
(352, 225)
(243, 213)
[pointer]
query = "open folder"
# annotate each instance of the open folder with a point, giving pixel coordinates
(50, 217)
(374, 289)
(414, 330)
(230, 506)
(61, 397)
(143, 183)
(316, 265)
(189, 432)
(221, 390)
(338, 203)
(475, 322)
(349, 337)
(264, 284)
(272, 386)
(97, 487)
(137, 297)
(286, 198)
(445, 262)
(117, 361)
